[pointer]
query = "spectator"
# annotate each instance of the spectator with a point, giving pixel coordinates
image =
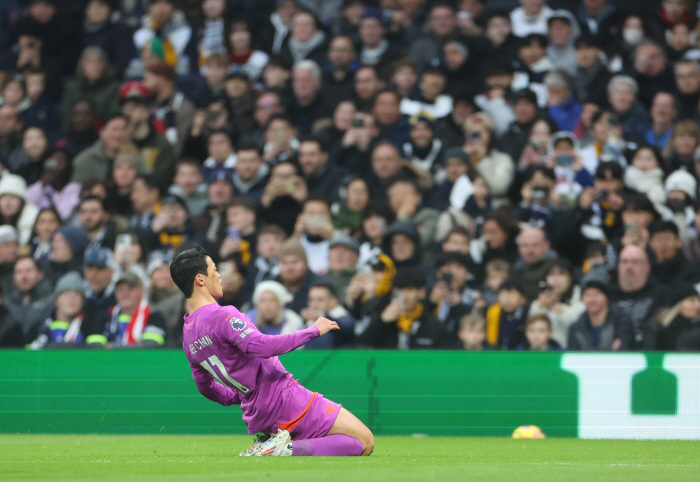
(164, 296)
(281, 142)
(563, 108)
(284, 196)
(131, 321)
(241, 236)
(631, 114)
(375, 49)
(680, 152)
(251, 62)
(391, 123)
(124, 171)
(591, 76)
(15, 210)
(532, 65)
(322, 177)
(212, 222)
(10, 329)
(94, 81)
(99, 29)
(405, 323)
(538, 335)
(638, 296)
(496, 274)
(525, 109)
(402, 244)
(453, 185)
(233, 283)
(559, 301)
(651, 70)
(679, 325)
(205, 121)
(502, 44)
(154, 148)
(145, 198)
(376, 219)
(353, 197)
(472, 333)
(405, 200)
(294, 273)
(343, 254)
(62, 326)
(530, 17)
(307, 104)
(563, 31)
(505, 320)
(451, 295)
(441, 26)
(268, 104)
(602, 204)
(602, 327)
(495, 167)
(687, 75)
(306, 40)
(663, 116)
(339, 75)
(55, 188)
(314, 229)
(171, 227)
(424, 151)
(93, 216)
(536, 259)
(432, 100)
(323, 301)
(30, 298)
(95, 161)
(171, 106)
(82, 130)
(265, 265)
(188, 183)
(46, 224)
(499, 239)
(28, 160)
(99, 272)
(9, 243)
(270, 314)
(67, 247)
(170, 28)
(368, 84)
(131, 250)
(644, 175)
(670, 267)
(10, 128)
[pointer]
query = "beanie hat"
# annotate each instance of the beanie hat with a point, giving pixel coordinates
(682, 181)
(13, 184)
(70, 281)
(293, 247)
(597, 278)
(157, 259)
(283, 295)
(76, 238)
(8, 233)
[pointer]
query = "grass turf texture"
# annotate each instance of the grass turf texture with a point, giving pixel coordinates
(200, 458)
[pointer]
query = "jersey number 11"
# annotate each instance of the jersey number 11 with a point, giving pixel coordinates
(231, 382)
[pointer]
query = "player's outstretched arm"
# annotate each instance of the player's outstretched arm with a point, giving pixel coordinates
(214, 391)
(266, 346)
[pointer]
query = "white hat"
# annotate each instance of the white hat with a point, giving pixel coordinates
(682, 181)
(13, 184)
(8, 233)
(283, 295)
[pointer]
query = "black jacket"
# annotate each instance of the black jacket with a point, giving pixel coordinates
(426, 332)
(616, 325)
(640, 307)
(677, 270)
(327, 182)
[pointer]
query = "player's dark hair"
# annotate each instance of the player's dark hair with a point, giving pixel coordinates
(327, 285)
(186, 266)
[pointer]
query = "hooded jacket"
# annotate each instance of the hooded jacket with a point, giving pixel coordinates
(617, 325)
(409, 229)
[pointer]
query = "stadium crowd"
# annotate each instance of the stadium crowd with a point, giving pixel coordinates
(477, 174)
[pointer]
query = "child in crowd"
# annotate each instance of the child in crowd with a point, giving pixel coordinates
(472, 332)
(505, 320)
(538, 335)
(496, 273)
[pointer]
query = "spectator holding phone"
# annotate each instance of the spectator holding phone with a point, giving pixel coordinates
(284, 196)
(405, 323)
(314, 228)
(241, 227)
(567, 163)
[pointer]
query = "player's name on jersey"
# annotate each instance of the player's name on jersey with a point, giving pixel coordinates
(200, 343)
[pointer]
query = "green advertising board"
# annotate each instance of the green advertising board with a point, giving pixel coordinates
(626, 395)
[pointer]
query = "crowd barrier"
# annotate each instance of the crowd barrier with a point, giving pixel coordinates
(567, 394)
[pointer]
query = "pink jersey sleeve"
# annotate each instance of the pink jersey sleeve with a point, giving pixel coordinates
(213, 390)
(246, 337)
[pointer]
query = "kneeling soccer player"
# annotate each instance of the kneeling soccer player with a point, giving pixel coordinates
(224, 346)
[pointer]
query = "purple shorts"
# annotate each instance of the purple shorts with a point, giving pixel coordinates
(305, 414)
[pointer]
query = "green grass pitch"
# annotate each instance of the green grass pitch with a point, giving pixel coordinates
(153, 458)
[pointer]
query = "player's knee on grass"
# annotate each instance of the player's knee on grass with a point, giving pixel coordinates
(367, 441)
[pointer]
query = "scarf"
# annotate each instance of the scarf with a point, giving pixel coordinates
(131, 327)
(406, 320)
(372, 56)
(300, 50)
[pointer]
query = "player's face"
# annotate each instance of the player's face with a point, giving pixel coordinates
(213, 280)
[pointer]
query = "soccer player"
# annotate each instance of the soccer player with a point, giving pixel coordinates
(224, 346)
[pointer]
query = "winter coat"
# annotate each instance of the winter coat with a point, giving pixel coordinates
(616, 325)
(103, 94)
(498, 170)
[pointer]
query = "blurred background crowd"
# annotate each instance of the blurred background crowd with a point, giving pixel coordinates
(473, 174)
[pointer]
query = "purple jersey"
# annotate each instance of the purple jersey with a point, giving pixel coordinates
(233, 363)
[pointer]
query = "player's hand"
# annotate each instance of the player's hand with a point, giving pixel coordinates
(325, 325)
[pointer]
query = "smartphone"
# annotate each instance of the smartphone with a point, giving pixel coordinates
(124, 242)
(290, 185)
(233, 232)
(613, 120)
(603, 196)
(358, 122)
(631, 229)
(475, 137)
(398, 296)
(564, 161)
(315, 221)
(447, 278)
